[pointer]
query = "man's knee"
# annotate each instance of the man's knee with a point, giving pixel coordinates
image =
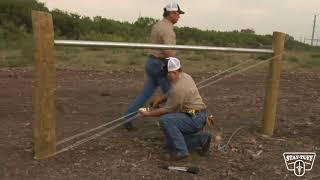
(164, 121)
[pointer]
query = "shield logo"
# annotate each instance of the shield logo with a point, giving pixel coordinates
(299, 162)
(299, 168)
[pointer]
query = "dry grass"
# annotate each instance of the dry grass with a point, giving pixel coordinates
(307, 60)
(118, 59)
(103, 59)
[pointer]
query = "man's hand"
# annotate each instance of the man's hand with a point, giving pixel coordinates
(155, 113)
(143, 111)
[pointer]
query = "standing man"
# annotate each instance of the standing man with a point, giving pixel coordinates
(162, 33)
(183, 116)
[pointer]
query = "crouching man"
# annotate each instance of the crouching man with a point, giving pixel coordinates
(183, 116)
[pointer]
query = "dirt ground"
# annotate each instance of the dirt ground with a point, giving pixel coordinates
(86, 99)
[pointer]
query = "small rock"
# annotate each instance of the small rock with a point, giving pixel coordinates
(234, 150)
(28, 150)
(252, 140)
(73, 112)
(77, 164)
(27, 124)
(218, 138)
(258, 154)
(309, 123)
(253, 154)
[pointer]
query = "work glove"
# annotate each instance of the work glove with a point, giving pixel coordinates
(156, 101)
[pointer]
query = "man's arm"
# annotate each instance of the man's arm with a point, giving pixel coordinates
(155, 103)
(169, 38)
(154, 113)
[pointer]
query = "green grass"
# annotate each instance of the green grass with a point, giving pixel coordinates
(315, 56)
(312, 63)
(14, 58)
(293, 59)
(106, 59)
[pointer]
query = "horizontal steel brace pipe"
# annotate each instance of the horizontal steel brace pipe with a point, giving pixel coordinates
(156, 46)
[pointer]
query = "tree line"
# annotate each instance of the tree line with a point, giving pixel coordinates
(15, 24)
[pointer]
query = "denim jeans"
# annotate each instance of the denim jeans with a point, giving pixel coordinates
(156, 76)
(184, 133)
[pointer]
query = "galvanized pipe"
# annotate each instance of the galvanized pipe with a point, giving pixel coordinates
(156, 46)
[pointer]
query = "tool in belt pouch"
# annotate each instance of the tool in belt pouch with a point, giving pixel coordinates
(210, 121)
(192, 113)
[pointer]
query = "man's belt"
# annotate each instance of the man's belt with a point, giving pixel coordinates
(194, 112)
(155, 57)
(200, 110)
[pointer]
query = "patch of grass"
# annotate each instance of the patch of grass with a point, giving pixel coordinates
(73, 50)
(14, 62)
(112, 61)
(293, 59)
(193, 59)
(109, 58)
(133, 62)
(312, 63)
(315, 56)
(94, 49)
(22, 55)
(136, 61)
(14, 58)
(264, 56)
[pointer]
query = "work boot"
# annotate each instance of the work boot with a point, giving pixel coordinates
(204, 151)
(173, 157)
(129, 126)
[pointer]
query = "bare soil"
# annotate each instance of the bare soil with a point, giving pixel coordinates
(86, 99)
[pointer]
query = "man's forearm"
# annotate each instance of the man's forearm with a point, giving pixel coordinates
(157, 112)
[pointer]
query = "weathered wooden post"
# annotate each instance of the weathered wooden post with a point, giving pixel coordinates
(272, 88)
(45, 86)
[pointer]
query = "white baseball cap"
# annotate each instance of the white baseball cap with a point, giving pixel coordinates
(173, 6)
(173, 64)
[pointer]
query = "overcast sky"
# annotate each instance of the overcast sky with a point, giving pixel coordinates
(294, 17)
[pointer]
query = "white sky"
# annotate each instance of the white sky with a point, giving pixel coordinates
(294, 17)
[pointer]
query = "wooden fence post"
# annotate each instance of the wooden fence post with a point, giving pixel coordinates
(45, 86)
(272, 88)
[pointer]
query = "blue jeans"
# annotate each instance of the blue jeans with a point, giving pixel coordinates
(183, 133)
(156, 76)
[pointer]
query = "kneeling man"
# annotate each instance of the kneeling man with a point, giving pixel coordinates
(183, 116)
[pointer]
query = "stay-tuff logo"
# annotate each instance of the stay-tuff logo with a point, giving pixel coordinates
(299, 162)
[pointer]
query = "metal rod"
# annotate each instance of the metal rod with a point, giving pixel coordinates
(156, 46)
(313, 29)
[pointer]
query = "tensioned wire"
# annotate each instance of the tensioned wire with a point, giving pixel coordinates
(77, 143)
(122, 117)
(93, 129)
(239, 71)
